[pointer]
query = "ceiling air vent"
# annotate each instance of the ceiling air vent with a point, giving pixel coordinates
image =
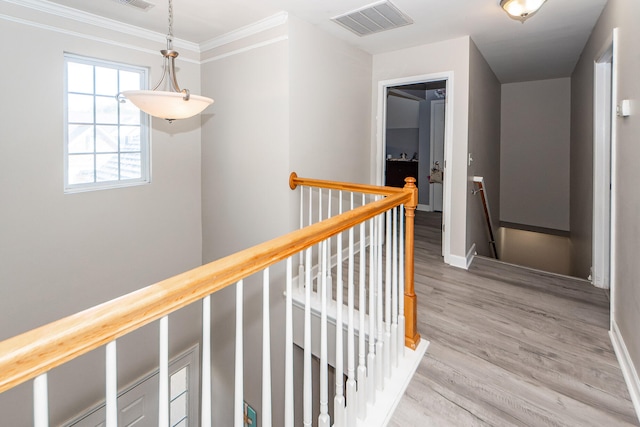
(373, 18)
(138, 4)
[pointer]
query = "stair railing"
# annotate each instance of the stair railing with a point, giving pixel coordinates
(31, 355)
(481, 189)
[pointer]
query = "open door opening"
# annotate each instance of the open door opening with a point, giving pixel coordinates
(414, 142)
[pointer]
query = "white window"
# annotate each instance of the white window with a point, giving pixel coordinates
(106, 141)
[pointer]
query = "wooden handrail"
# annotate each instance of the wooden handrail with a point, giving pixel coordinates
(412, 337)
(295, 180)
(35, 352)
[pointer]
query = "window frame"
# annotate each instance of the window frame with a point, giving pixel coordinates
(145, 134)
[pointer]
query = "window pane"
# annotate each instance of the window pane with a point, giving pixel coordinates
(106, 139)
(130, 166)
(178, 383)
(129, 113)
(80, 108)
(106, 81)
(80, 168)
(79, 77)
(106, 109)
(129, 81)
(106, 167)
(178, 409)
(80, 139)
(129, 138)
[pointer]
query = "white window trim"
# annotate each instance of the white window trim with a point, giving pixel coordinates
(145, 134)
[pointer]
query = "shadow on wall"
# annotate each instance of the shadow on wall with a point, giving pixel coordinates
(532, 249)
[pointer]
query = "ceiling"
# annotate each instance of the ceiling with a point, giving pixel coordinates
(547, 46)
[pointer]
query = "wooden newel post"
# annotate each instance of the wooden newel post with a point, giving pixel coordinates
(411, 336)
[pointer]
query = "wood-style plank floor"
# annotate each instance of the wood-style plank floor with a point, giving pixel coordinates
(509, 347)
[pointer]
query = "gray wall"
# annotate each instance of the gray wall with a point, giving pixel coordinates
(403, 125)
(484, 148)
(61, 253)
(625, 291)
(277, 114)
(453, 56)
(245, 163)
(534, 154)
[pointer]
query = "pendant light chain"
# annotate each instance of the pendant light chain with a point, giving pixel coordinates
(170, 33)
(164, 103)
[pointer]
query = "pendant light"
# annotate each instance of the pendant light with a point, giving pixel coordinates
(521, 9)
(175, 103)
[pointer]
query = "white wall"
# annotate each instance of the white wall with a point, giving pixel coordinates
(534, 154)
(433, 59)
(484, 148)
(625, 291)
(61, 253)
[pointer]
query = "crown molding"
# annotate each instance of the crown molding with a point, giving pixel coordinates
(100, 21)
(249, 30)
(85, 36)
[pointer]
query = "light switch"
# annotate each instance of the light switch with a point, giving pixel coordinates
(624, 110)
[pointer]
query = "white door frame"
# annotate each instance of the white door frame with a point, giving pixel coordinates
(431, 144)
(381, 143)
(604, 139)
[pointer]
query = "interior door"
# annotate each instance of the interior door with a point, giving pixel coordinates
(437, 149)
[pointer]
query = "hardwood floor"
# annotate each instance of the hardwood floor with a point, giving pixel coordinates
(509, 347)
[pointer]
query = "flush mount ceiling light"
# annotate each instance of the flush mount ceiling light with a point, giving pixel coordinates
(521, 9)
(169, 104)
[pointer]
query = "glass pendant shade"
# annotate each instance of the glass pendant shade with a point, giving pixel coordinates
(167, 105)
(521, 9)
(175, 103)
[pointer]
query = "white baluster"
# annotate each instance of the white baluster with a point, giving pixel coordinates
(379, 328)
(394, 293)
(387, 300)
(206, 363)
(301, 264)
(238, 405)
(362, 369)
(338, 401)
(308, 265)
(324, 419)
(266, 351)
(329, 277)
(163, 388)
(401, 320)
(319, 251)
(111, 385)
(288, 359)
(371, 360)
(40, 401)
(307, 384)
(352, 406)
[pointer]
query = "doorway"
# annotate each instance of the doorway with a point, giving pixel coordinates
(414, 131)
(604, 137)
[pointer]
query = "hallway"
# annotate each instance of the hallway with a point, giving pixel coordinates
(509, 346)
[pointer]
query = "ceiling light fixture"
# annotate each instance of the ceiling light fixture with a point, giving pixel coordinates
(521, 9)
(169, 104)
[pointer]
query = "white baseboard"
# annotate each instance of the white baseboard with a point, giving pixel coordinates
(425, 208)
(458, 261)
(626, 364)
(463, 261)
(470, 255)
